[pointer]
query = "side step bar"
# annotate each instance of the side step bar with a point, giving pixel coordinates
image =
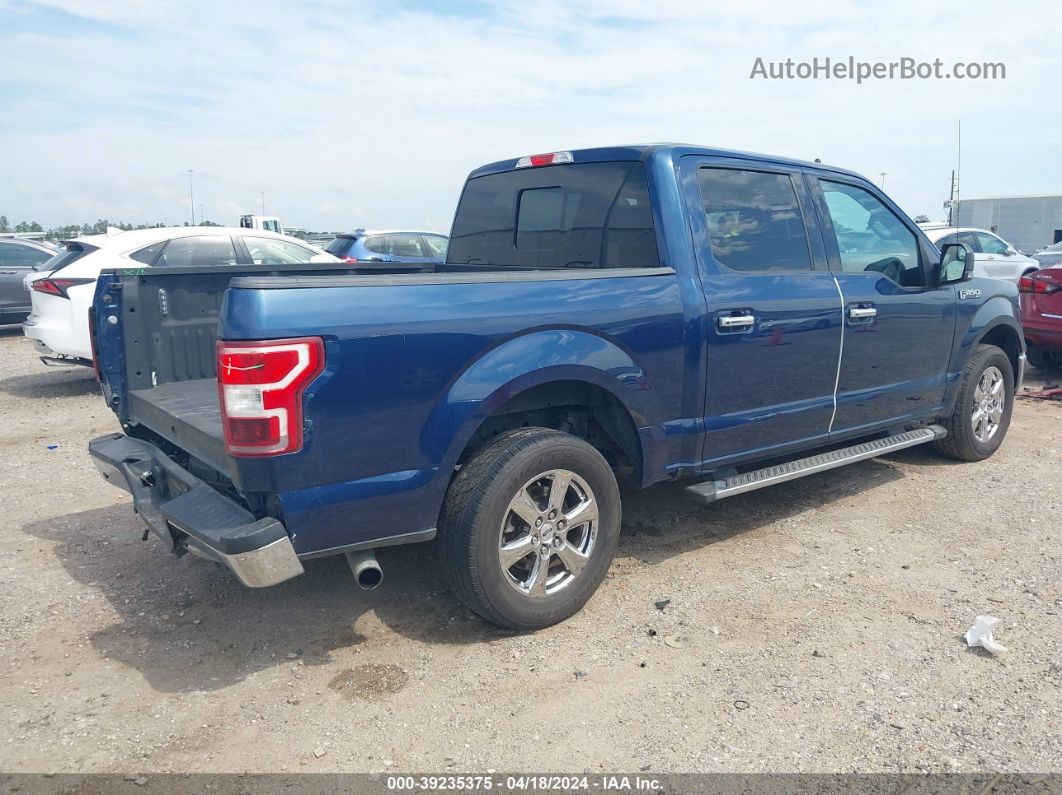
(713, 490)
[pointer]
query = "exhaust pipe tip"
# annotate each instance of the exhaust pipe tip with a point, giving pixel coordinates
(367, 572)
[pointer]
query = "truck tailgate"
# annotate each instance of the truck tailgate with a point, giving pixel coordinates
(185, 412)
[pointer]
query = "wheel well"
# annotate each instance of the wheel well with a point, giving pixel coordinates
(1006, 338)
(576, 407)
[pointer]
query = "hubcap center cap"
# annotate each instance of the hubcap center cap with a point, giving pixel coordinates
(546, 533)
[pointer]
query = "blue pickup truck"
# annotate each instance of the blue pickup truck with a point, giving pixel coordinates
(631, 314)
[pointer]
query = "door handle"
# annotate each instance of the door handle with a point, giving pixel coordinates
(862, 312)
(740, 322)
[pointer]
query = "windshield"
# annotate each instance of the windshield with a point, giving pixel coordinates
(68, 255)
(340, 246)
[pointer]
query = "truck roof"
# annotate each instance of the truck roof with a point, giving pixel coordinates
(673, 150)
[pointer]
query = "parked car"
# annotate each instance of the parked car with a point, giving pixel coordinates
(61, 296)
(1051, 255)
(19, 257)
(994, 257)
(389, 246)
(596, 319)
(1041, 316)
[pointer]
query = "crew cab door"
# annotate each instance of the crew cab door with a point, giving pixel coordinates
(774, 313)
(898, 326)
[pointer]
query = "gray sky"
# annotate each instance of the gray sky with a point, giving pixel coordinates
(370, 114)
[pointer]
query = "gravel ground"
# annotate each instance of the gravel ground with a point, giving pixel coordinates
(822, 625)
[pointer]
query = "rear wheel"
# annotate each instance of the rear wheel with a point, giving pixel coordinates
(983, 407)
(1043, 359)
(529, 528)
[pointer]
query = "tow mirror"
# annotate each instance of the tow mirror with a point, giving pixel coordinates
(956, 264)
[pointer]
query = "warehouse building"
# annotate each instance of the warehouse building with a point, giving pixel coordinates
(1027, 222)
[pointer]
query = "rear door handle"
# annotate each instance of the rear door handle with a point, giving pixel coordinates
(736, 322)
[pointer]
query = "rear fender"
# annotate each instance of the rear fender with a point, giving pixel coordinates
(525, 362)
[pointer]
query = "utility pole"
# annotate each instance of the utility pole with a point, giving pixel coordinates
(263, 202)
(191, 196)
(951, 202)
(202, 217)
(883, 180)
(958, 171)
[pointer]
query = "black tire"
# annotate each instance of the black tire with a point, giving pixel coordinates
(961, 443)
(477, 504)
(1042, 359)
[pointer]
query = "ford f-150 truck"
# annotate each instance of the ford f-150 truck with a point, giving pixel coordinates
(638, 314)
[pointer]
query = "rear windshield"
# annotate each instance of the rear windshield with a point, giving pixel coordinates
(583, 215)
(70, 254)
(340, 246)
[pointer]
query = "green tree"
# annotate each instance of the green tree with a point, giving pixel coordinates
(35, 227)
(921, 219)
(3, 224)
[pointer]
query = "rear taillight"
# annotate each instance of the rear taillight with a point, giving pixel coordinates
(261, 386)
(57, 286)
(350, 259)
(547, 159)
(1037, 284)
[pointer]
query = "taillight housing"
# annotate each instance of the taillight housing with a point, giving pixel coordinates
(350, 259)
(546, 159)
(261, 385)
(57, 286)
(1037, 284)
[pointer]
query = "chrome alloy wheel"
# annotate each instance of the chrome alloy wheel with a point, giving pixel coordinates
(988, 403)
(548, 533)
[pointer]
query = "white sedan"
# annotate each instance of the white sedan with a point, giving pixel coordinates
(994, 257)
(62, 291)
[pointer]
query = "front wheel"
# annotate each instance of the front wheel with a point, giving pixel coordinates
(529, 528)
(983, 407)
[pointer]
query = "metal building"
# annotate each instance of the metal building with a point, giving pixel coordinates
(1027, 222)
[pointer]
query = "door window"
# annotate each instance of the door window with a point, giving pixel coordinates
(869, 237)
(754, 220)
(14, 255)
(207, 251)
(990, 244)
(269, 251)
(436, 245)
(404, 245)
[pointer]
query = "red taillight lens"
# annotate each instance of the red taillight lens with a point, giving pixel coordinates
(1037, 284)
(57, 286)
(350, 259)
(261, 386)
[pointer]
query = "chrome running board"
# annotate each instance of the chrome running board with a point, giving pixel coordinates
(712, 490)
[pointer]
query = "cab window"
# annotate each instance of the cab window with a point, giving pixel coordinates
(870, 238)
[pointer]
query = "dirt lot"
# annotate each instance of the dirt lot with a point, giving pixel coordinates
(824, 617)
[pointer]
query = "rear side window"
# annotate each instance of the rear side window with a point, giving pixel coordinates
(148, 253)
(208, 251)
(754, 220)
(583, 215)
(377, 244)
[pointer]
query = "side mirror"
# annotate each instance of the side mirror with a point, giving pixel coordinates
(956, 264)
(1011, 251)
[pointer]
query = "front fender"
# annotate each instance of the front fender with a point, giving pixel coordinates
(976, 321)
(521, 363)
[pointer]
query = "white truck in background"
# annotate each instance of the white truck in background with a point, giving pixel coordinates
(270, 223)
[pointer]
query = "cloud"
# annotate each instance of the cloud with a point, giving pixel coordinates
(350, 114)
